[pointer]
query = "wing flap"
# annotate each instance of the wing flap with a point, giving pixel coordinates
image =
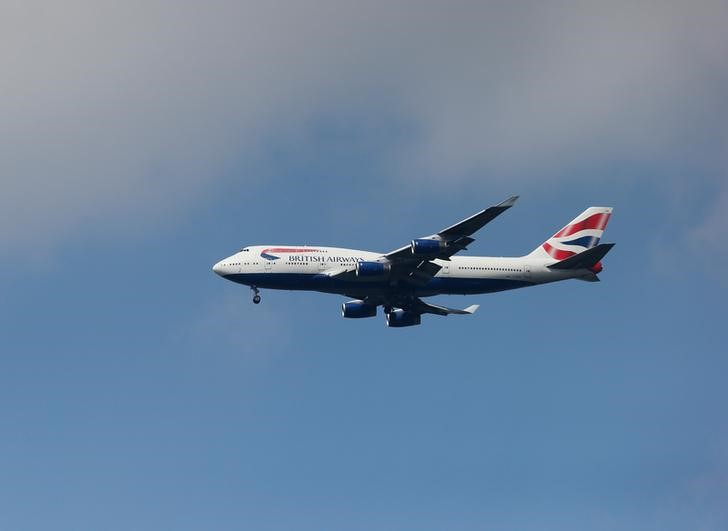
(340, 272)
(423, 273)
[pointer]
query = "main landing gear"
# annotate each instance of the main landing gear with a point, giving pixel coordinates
(256, 295)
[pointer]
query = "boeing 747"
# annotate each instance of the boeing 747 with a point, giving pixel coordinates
(427, 266)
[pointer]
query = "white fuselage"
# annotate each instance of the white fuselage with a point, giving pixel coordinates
(316, 268)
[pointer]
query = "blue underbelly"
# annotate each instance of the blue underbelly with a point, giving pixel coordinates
(326, 284)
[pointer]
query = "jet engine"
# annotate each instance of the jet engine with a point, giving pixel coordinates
(399, 318)
(358, 309)
(428, 246)
(373, 270)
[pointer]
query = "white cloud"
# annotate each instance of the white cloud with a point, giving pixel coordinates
(708, 240)
(132, 110)
(570, 84)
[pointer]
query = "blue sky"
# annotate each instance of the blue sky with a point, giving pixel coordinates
(146, 142)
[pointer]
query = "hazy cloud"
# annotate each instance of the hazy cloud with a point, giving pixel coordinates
(249, 333)
(110, 109)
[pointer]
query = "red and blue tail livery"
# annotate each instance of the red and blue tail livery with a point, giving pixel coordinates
(399, 280)
(582, 233)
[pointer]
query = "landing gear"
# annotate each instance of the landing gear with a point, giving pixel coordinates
(256, 295)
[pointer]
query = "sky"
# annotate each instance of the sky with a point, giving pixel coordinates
(144, 141)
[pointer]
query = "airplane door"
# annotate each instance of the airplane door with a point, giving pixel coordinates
(527, 272)
(445, 271)
(267, 266)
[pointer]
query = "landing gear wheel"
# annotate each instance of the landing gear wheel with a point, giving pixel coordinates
(256, 299)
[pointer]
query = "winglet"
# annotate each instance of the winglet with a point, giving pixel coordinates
(508, 202)
(476, 221)
(472, 309)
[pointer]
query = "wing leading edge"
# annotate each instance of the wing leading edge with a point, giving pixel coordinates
(455, 238)
(410, 268)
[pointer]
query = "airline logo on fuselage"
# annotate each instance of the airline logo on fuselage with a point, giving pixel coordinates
(266, 253)
(297, 255)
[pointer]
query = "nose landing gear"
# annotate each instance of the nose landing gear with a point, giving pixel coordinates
(256, 295)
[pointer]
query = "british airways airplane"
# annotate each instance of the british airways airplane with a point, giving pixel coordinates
(398, 280)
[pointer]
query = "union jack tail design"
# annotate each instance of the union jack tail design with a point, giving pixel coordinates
(582, 233)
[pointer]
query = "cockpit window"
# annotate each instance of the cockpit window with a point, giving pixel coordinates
(244, 250)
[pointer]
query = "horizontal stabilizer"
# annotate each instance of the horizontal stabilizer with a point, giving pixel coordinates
(585, 259)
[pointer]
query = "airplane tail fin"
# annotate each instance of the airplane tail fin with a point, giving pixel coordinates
(581, 234)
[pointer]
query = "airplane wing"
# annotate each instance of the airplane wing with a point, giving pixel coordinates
(420, 306)
(415, 305)
(414, 263)
(454, 238)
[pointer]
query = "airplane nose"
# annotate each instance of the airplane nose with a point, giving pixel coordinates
(218, 269)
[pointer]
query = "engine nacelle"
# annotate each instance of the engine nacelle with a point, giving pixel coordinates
(373, 269)
(358, 309)
(428, 246)
(399, 318)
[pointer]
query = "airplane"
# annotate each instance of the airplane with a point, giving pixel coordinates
(427, 266)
